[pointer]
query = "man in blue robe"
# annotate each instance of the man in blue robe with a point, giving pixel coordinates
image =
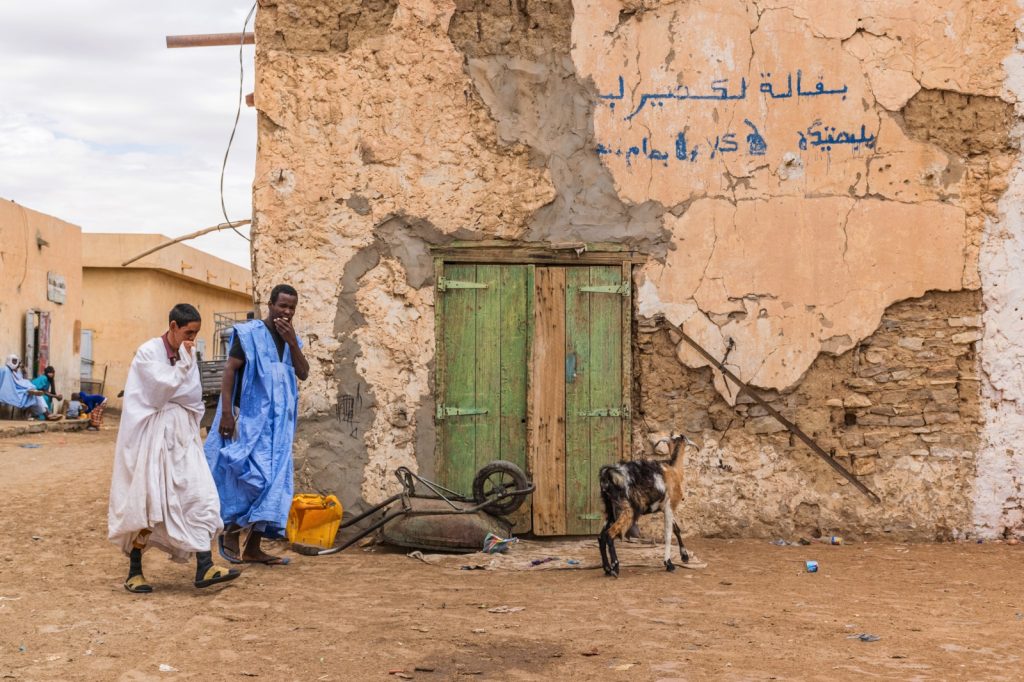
(20, 392)
(249, 448)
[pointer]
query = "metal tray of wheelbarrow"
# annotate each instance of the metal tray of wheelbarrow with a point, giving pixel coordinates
(425, 526)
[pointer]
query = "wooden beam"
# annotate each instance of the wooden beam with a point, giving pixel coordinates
(191, 235)
(211, 40)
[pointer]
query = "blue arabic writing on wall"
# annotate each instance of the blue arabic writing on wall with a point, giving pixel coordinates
(816, 136)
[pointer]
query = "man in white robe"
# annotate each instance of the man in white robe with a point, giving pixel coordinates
(162, 494)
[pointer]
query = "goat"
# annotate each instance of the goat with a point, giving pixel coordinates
(631, 489)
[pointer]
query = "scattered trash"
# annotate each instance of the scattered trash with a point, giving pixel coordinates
(623, 666)
(506, 609)
(865, 637)
(812, 566)
(592, 652)
(419, 628)
(400, 673)
(22, 648)
(248, 674)
(538, 562)
(573, 562)
(478, 631)
(1013, 541)
(88, 652)
(164, 668)
(37, 537)
(422, 669)
(473, 567)
(494, 544)
(9, 598)
(980, 541)
(30, 446)
(1019, 615)
(780, 543)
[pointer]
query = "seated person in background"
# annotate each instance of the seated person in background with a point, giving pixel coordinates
(44, 382)
(73, 409)
(21, 393)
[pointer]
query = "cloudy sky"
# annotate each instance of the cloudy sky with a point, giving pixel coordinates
(103, 126)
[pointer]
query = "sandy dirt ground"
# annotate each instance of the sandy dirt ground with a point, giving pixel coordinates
(939, 611)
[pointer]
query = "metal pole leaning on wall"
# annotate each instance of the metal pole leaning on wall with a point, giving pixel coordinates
(790, 426)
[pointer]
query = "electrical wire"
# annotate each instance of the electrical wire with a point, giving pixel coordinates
(238, 115)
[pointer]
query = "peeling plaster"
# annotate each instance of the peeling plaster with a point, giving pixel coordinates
(415, 122)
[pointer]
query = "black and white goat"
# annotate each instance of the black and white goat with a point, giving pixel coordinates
(635, 488)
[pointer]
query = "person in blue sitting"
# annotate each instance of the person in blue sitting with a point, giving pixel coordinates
(19, 392)
(249, 447)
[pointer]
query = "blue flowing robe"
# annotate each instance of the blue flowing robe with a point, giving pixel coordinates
(14, 390)
(253, 470)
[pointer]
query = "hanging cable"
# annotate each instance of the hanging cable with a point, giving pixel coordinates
(238, 115)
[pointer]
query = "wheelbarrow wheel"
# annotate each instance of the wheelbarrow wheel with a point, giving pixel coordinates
(494, 481)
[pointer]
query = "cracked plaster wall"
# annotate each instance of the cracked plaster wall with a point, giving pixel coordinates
(390, 125)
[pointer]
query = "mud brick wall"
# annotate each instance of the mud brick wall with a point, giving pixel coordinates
(819, 188)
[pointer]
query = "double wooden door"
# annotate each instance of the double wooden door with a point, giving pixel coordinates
(533, 367)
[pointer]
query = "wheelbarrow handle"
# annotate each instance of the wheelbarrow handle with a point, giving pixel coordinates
(309, 550)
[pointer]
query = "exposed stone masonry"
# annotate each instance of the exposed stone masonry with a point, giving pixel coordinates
(901, 410)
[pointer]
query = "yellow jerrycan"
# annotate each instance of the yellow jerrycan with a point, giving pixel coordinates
(314, 519)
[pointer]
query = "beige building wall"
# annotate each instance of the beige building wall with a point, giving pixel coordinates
(828, 195)
(125, 306)
(33, 244)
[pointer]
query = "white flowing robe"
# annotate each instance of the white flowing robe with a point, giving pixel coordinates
(161, 481)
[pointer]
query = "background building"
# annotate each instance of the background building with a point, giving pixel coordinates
(41, 286)
(124, 306)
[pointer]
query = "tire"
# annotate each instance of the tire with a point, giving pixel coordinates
(497, 477)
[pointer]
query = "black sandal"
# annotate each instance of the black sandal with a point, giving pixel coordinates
(136, 584)
(217, 574)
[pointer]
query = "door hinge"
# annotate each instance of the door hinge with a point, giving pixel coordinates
(445, 411)
(605, 412)
(620, 289)
(446, 284)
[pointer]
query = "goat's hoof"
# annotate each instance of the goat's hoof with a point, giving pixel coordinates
(686, 556)
(669, 566)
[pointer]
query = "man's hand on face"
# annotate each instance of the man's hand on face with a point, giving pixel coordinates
(188, 346)
(285, 329)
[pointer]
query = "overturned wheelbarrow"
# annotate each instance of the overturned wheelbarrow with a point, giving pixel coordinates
(433, 517)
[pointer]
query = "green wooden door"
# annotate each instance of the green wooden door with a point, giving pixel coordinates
(570, 327)
(596, 409)
(483, 327)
